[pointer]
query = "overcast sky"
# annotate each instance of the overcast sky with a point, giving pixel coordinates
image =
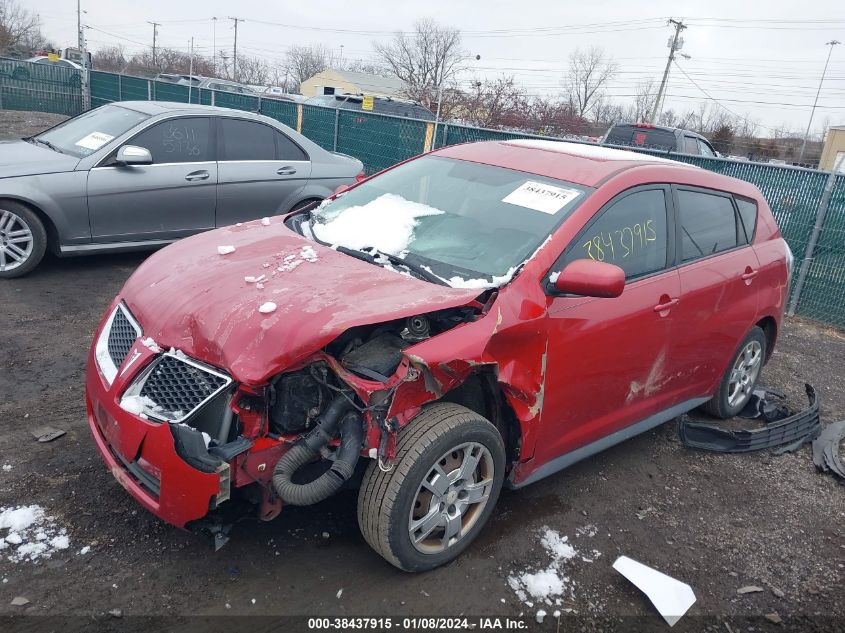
(758, 59)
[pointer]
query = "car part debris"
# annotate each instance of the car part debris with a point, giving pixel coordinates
(826, 452)
(792, 431)
(767, 404)
(749, 589)
(47, 433)
(671, 597)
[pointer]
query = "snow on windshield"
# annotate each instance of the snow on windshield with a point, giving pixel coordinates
(386, 223)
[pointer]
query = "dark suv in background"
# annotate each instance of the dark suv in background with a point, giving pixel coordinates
(669, 139)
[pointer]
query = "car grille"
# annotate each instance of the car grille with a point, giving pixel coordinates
(121, 337)
(177, 387)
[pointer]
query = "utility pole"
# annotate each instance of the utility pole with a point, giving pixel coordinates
(84, 78)
(214, 47)
(675, 45)
(235, 51)
(831, 43)
(191, 70)
(155, 33)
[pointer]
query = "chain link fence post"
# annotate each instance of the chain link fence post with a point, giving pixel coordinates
(336, 126)
(824, 204)
(85, 86)
(120, 87)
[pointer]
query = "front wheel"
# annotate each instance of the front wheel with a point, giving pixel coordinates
(23, 239)
(449, 469)
(741, 377)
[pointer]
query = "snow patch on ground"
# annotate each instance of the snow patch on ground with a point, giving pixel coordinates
(29, 533)
(7, 468)
(386, 223)
(549, 585)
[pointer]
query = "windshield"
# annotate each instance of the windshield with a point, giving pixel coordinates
(88, 132)
(472, 225)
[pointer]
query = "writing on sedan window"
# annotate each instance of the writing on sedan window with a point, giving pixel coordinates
(620, 243)
(180, 140)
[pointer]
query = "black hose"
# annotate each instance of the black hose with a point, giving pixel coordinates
(337, 417)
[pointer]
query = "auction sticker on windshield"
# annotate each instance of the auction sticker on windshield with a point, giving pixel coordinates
(95, 140)
(541, 197)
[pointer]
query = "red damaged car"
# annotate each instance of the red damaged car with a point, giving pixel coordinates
(483, 315)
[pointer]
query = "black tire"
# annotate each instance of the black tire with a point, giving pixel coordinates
(305, 203)
(26, 216)
(720, 405)
(386, 498)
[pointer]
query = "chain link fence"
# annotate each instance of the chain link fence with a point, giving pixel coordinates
(812, 222)
(40, 87)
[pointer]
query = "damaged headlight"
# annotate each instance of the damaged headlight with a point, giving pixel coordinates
(116, 339)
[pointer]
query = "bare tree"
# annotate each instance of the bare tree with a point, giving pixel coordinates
(168, 60)
(589, 72)
(110, 59)
(645, 94)
(497, 103)
(425, 60)
(303, 62)
(20, 29)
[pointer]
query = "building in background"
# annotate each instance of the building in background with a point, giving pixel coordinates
(833, 152)
(331, 82)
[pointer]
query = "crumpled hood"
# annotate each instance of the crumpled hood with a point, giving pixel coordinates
(19, 158)
(190, 297)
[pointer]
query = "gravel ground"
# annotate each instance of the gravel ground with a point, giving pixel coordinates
(717, 522)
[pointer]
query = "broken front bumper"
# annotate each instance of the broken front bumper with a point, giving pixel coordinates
(792, 431)
(142, 457)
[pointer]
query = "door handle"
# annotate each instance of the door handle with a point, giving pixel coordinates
(666, 305)
(749, 274)
(286, 171)
(197, 175)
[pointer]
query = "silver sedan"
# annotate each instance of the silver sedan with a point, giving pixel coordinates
(141, 174)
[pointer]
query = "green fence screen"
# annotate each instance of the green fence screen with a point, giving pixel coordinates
(794, 194)
(40, 87)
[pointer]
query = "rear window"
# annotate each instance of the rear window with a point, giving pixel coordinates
(708, 224)
(653, 138)
(747, 218)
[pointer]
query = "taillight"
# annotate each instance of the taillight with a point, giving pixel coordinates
(360, 176)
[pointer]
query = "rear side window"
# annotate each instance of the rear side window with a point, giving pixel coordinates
(747, 218)
(705, 149)
(641, 137)
(630, 233)
(690, 145)
(707, 222)
(177, 141)
(245, 140)
(286, 149)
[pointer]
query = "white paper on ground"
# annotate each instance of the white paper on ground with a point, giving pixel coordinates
(541, 197)
(95, 140)
(671, 597)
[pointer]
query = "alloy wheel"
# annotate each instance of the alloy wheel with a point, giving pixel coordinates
(744, 373)
(451, 498)
(16, 241)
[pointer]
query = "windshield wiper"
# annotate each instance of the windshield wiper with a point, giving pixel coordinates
(372, 256)
(35, 139)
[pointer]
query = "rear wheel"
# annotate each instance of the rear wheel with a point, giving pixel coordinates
(741, 377)
(448, 473)
(23, 239)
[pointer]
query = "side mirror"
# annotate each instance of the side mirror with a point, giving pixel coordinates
(134, 155)
(590, 278)
(341, 189)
